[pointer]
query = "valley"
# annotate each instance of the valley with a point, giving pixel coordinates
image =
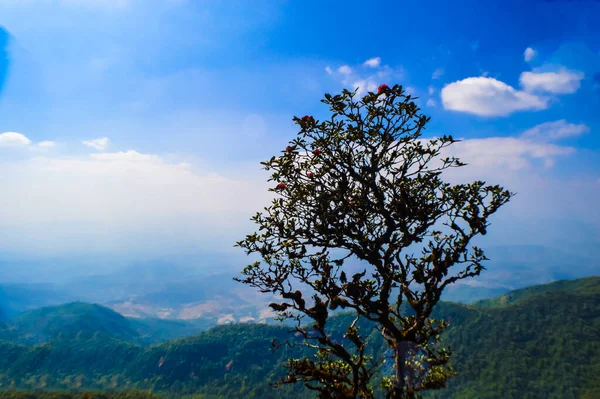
(543, 340)
(178, 291)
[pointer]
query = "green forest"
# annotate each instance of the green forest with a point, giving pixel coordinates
(538, 342)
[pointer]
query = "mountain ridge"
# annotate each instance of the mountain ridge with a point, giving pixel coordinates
(545, 344)
(72, 319)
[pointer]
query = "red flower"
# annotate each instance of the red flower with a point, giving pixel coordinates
(280, 186)
(382, 89)
(316, 151)
(289, 149)
(306, 118)
(309, 174)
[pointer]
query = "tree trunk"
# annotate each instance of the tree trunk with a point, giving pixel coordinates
(401, 388)
(400, 352)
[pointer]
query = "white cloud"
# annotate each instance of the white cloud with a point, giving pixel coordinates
(135, 201)
(367, 79)
(124, 193)
(437, 73)
(328, 70)
(545, 197)
(529, 54)
(488, 97)
(562, 82)
(98, 144)
(364, 86)
(124, 156)
(46, 144)
(13, 139)
(431, 90)
(506, 153)
(373, 62)
(431, 102)
(556, 130)
(345, 69)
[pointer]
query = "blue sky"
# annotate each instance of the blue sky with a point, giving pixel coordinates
(138, 126)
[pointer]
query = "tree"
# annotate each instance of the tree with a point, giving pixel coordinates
(364, 185)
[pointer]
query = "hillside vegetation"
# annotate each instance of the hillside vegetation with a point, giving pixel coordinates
(82, 320)
(539, 342)
(80, 395)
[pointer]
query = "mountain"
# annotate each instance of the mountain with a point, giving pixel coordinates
(153, 330)
(20, 268)
(518, 266)
(216, 299)
(139, 278)
(82, 320)
(585, 286)
(18, 297)
(186, 288)
(542, 341)
(80, 395)
(100, 279)
(49, 323)
(166, 289)
(209, 300)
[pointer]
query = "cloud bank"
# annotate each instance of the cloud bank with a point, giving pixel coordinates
(124, 194)
(486, 96)
(561, 129)
(562, 82)
(13, 139)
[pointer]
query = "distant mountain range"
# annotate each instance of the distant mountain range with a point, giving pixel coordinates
(216, 299)
(170, 290)
(518, 266)
(17, 297)
(537, 342)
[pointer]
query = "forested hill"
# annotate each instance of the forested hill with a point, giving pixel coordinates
(540, 342)
(583, 286)
(82, 320)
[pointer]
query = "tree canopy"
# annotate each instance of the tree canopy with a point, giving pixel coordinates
(364, 185)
